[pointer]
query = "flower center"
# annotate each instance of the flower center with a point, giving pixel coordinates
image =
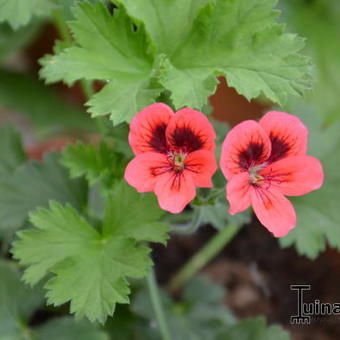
(178, 159)
(254, 176)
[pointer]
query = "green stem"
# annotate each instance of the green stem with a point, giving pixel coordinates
(189, 228)
(61, 26)
(87, 88)
(157, 306)
(203, 256)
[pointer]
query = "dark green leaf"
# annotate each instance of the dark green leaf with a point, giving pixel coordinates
(32, 185)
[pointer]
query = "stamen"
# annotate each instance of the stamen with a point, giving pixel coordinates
(254, 177)
(178, 159)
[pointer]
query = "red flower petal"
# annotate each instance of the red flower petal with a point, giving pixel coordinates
(295, 176)
(245, 146)
(287, 133)
(273, 210)
(147, 129)
(175, 190)
(143, 171)
(202, 165)
(238, 193)
(190, 130)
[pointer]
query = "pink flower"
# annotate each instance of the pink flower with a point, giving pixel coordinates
(174, 154)
(266, 161)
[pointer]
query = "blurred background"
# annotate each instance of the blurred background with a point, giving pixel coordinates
(254, 270)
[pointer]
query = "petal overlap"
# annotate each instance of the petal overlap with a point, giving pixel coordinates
(288, 135)
(245, 146)
(147, 129)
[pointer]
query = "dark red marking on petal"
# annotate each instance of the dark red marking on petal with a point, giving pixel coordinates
(264, 195)
(176, 180)
(281, 145)
(253, 154)
(184, 139)
(158, 140)
(159, 170)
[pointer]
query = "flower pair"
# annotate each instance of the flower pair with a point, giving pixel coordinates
(175, 153)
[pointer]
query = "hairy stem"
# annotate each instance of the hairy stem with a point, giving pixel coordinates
(157, 305)
(203, 256)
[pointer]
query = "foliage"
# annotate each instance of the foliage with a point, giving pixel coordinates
(83, 233)
(199, 315)
(20, 12)
(18, 303)
(101, 163)
(253, 329)
(138, 60)
(98, 260)
(67, 328)
(13, 40)
(11, 152)
(319, 22)
(32, 185)
(24, 93)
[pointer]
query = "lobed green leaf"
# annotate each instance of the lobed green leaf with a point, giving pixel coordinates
(87, 267)
(145, 48)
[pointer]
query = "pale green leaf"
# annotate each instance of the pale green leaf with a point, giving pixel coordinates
(109, 49)
(238, 39)
(20, 12)
(319, 22)
(187, 45)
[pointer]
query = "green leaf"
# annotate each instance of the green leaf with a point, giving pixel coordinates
(253, 329)
(168, 22)
(109, 49)
(101, 163)
(41, 105)
(318, 215)
(11, 152)
(89, 268)
(143, 224)
(186, 46)
(33, 184)
(17, 303)
(237, 39)
(118, 136)
(19, 12)
(197, 315)
(319, 22)
(218, 216)
(67, 328)
(14, 40)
